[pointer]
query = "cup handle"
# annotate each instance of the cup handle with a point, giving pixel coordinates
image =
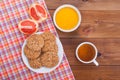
(96, 63)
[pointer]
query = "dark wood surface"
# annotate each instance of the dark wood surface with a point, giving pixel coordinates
(101, 26)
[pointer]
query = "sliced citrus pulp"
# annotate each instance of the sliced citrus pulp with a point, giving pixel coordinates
(37, 12)
(28, 26)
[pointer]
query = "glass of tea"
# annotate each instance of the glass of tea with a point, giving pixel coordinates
(86, 52)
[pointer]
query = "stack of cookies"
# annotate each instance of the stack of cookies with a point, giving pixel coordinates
(41, 50)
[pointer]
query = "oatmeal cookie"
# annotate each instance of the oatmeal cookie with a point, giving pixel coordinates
(49, 46)
(55, 59)
(31, 54)
(54, 49)
(48, 36)
(35, 42)
(35, 63)
(49, 59)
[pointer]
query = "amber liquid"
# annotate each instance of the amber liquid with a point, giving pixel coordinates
(86, 52)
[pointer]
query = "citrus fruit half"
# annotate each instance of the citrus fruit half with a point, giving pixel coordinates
(28, 26)
(37, 12)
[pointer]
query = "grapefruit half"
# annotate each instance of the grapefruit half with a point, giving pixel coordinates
(37, 12)
(28, 26)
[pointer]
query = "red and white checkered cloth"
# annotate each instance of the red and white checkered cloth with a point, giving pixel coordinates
(11, 41)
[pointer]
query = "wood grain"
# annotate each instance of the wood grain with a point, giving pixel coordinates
(86, 4)
(107, 47)
(101, 26)
(96, 24)
(96, 73)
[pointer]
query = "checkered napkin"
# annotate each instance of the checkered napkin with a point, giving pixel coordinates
(11, 41)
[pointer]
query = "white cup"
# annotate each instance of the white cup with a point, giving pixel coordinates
(96, 53)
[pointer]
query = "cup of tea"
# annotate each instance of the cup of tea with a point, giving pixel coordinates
(86, 52)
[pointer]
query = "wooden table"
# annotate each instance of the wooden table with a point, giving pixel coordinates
(101, 26)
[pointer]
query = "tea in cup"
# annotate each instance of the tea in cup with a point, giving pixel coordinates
(86, 52)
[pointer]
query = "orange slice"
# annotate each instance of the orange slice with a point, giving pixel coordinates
(28, 26)
(37, 12)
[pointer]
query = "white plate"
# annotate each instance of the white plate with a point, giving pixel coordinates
(44, 69)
